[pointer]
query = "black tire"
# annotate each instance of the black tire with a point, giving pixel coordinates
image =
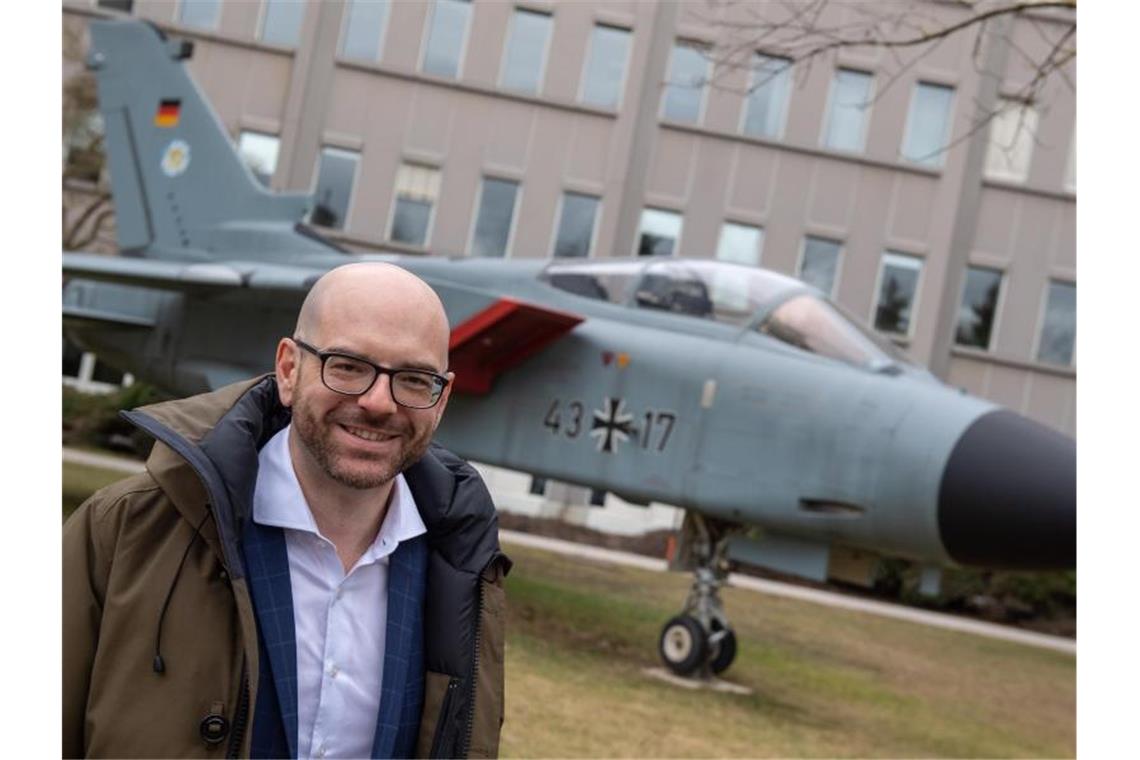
(725, 650)
(683, 645)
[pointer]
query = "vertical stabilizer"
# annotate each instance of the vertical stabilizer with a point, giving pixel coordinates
(181, 190)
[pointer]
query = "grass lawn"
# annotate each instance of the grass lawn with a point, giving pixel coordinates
(826, 682)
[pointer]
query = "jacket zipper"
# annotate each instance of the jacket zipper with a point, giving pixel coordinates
(241, 717)
(465, 743)
(445, 710)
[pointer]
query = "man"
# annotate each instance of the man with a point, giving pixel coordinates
(300, 572)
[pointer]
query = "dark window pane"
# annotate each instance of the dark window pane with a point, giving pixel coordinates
(897, 292)
(597, 497)
(576, 228)
(200, 13)
(496, 212)
(410, 223)
(334, 187)
(117, 5)
(978, 308)
(604, 76)
(1059, 331)
(537, 485)
(105, 373)
(659, 232)
(685, 90)
(446, 37)
(821, 260)
(72, 355)
(282, 22)
(526, 51)
(364, 29)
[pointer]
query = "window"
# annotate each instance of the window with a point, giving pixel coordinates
(526, 51)
(363, 34)
(259, 152)
(202, 14)
(658, 232)
(335, 179)
(740, 244)
(978, 309)
(605, 280)
(116, 5)
(820, 327)
(928, 124)
(576, 227)
(537, 486)
(1012, 132)
(898, 291)
(819, 263)
(281, 22)
(496, 216)
(447, 33)
(767, 102)
(1059, 327)
(685, 90)
(604, 77)
(417, 190)
(848, 110)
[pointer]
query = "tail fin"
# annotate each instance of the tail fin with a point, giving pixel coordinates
(181, 190)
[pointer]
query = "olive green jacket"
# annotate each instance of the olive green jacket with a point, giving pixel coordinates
(153, 580)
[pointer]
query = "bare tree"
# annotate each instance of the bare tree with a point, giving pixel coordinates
(797, 34)
(87, 210)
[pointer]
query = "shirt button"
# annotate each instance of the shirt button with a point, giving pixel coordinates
(333, 670)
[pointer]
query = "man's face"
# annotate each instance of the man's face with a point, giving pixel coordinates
(360, 441)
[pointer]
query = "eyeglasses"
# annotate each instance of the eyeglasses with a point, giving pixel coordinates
(353, 376)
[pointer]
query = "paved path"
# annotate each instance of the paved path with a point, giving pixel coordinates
(762, 585)
(817, 596)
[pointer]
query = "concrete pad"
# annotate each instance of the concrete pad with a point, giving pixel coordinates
(712, 684)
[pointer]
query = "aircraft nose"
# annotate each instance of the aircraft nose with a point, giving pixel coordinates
(1009, 495)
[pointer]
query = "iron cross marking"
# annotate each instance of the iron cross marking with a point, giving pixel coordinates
(612, 424)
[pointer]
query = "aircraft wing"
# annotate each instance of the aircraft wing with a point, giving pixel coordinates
(189, 276)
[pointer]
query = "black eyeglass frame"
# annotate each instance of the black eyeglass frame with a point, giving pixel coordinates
(441, 381)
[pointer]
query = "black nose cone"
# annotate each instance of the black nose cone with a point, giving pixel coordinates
(1009, 496)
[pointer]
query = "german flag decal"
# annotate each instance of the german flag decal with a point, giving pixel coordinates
(167, 115)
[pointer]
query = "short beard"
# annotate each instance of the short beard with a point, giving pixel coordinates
(313, 436)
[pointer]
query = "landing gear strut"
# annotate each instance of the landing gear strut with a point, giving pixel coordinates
(700, 642)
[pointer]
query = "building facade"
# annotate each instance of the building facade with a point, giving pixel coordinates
(537, 129)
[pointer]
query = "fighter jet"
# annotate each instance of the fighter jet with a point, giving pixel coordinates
(794, 437)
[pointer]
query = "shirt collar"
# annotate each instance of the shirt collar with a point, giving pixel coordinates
(278, 500)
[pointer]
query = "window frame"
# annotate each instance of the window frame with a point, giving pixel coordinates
(260, 31)
(380, 40)
(546, 45)
(839, 257)
(509, 246)
(828, 111)
(940, 156)
(351, 191)
(1002, 275)
(426, 38)
(624, 69)
(550, 254)
(677, 242)
(913, 321)
(178, 17)
(758, 250)
(702, 106)
(786, 107)
(1042, 311)
(426, 245)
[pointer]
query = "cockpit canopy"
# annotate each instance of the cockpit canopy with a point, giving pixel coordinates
(741, 296)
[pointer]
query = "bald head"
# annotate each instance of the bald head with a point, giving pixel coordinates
(374, 295)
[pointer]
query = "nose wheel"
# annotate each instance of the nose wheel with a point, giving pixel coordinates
(699, 642)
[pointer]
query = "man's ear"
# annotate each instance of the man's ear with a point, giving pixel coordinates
(286, 366)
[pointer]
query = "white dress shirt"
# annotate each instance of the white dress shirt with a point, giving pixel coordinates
(340, 617)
